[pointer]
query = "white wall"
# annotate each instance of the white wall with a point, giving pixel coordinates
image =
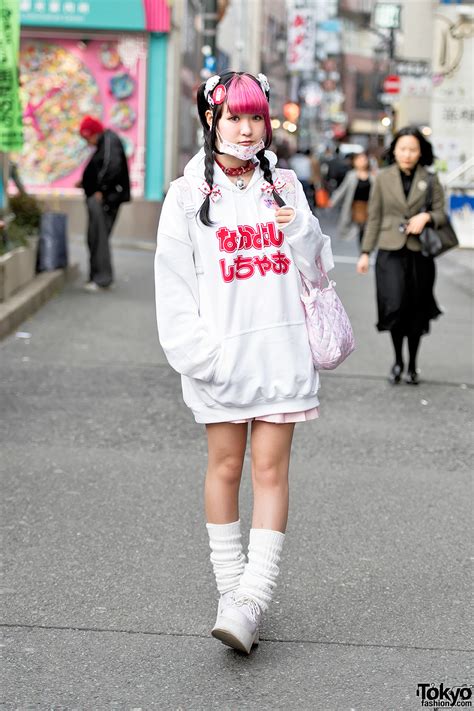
(452, 109)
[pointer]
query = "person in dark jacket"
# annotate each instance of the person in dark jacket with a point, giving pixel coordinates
(338, 166)
(405, 278)
(106, 184)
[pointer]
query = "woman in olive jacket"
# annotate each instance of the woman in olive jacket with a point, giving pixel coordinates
(404, 277)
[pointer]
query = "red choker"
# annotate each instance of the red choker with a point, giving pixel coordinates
(233, 172)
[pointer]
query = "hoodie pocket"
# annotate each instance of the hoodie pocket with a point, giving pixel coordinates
(266, 365)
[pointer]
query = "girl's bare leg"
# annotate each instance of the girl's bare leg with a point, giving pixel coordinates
(271, 446)
(226, 450)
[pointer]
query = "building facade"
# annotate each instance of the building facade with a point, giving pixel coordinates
(98, 57)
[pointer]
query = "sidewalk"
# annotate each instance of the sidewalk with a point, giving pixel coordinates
(108, 593)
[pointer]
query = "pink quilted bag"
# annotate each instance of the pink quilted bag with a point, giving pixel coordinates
(330, 334)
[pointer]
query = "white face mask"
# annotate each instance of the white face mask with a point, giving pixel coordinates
(238, 151)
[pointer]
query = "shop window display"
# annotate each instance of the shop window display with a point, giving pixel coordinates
(64, 79)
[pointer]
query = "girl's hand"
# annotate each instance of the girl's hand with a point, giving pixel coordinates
(284, 215)
(363, 264)
(416, 224)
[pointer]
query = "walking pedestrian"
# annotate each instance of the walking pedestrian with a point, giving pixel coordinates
(337, 168)
(405, 278)
(106, 184)
(307, 171)
(353, 197)
(233, 233)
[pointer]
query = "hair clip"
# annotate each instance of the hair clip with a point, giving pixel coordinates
(219, 94)
(263, 81)
(211, 84)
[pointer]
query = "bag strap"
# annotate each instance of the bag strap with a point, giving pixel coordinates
(189, 208)
(289, 177)
(186, 195)
(429, 193)
(319, 284)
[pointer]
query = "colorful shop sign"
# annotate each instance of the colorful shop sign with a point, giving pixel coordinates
(64, 79)
(11, 132)
(130, 15)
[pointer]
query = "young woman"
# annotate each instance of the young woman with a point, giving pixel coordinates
(353, 196)
(233, 234)
(404, 277)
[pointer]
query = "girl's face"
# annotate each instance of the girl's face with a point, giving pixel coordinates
(243, 129)
(407, 152)
(361, 161)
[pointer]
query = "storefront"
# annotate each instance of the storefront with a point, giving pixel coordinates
(106, 58)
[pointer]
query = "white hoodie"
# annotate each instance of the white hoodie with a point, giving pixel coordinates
(230, 317)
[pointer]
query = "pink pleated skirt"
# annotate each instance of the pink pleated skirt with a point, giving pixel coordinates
(284, 418)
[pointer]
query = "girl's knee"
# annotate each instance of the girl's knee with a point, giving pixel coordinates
(269, 474)
(228, 469)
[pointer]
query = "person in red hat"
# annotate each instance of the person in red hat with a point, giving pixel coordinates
(106, 184)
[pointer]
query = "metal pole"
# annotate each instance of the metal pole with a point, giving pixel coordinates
(209, 17)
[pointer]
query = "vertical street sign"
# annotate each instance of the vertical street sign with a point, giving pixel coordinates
(11, 125)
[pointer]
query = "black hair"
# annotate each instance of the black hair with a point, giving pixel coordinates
(210, 142)
(352, 157)
(426, 149)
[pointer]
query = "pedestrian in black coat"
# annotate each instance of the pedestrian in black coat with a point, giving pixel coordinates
(106, 184)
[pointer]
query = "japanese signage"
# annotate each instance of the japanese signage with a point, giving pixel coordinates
(301, 40)
(151, 15)
(11, 133)
(452, 99)
(412, 68)
(387, 16)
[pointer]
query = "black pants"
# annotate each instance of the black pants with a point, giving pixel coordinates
(101, 222)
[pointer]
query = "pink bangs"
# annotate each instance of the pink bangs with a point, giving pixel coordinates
(244, 96)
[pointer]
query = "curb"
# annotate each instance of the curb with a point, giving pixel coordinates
(29, 299)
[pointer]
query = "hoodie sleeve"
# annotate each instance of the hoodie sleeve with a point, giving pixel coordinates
(306, 239)
(183, 335)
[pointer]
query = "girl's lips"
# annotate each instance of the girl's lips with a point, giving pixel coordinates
(246, 143)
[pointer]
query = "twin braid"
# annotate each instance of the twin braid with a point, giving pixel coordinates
(208, 176)
(267, 174)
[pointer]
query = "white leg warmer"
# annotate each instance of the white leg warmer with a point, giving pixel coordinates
(259, 578)
(227, 557)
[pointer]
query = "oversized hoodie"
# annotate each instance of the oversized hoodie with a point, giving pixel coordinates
(230, 318)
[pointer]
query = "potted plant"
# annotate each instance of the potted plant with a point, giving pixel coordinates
(18, 243)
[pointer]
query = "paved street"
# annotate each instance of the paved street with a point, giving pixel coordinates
(108, 594)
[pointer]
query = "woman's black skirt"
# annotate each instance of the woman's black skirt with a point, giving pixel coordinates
(405, 282)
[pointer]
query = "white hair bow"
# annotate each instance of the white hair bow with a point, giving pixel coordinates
(211, 84)
(263, 81)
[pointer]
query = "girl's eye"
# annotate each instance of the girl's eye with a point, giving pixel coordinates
(257, 117)
(233, 118)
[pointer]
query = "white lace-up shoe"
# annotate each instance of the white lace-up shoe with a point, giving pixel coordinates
(238, 624)
(224, 601)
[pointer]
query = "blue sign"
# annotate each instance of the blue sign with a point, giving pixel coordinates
(210, 63)
(459, 203)
(92, 14)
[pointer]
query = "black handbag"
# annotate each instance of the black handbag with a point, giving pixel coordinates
(436, 240)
